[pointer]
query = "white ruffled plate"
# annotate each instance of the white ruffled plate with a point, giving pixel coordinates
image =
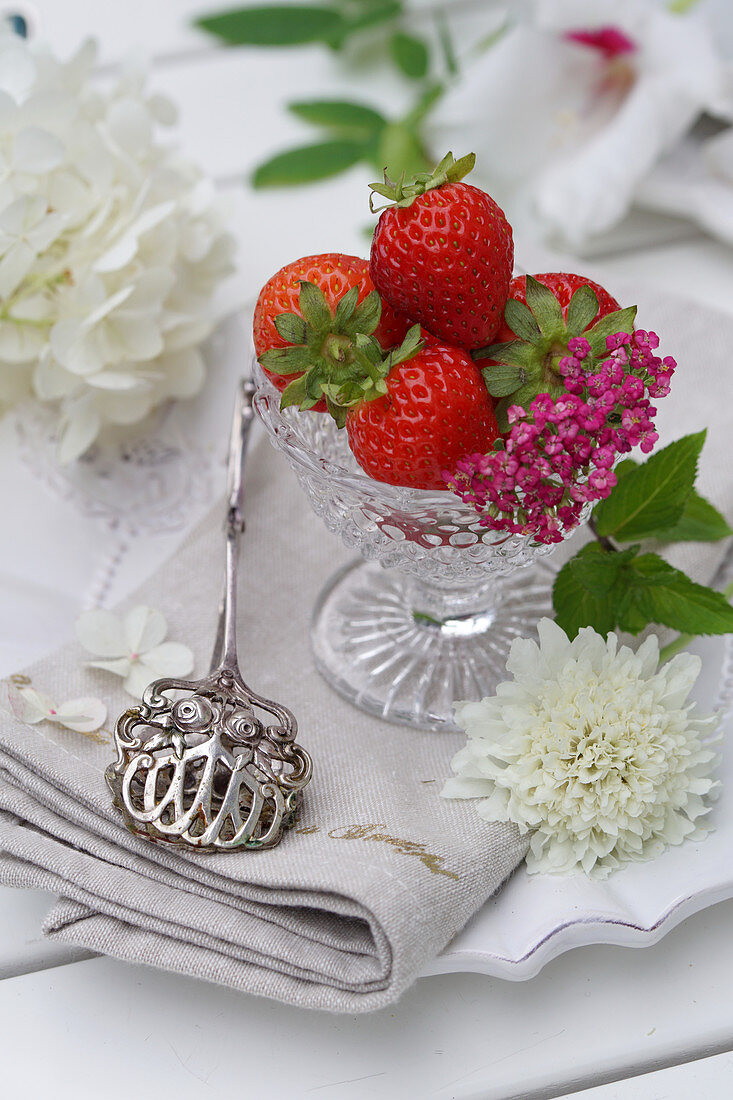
(534, 918)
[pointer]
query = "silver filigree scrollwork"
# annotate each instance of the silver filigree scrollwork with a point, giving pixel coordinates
(204, 770)
(196, 764)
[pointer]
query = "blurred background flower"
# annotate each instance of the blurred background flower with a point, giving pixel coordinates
(111, 246)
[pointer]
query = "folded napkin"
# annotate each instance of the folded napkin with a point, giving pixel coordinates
(380, 872)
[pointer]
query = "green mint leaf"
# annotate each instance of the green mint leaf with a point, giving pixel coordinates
(575, 604)
(598, 570)
(521, 321)
(699, 522)
(291, 327)
(629, 616)
(353, 120)
(410, 55)
(308, 163)
(502, 379)
(668, 596)
(287, 360)
(651, 498)
(582, 308)
(279, 25)
(545, 307)
(620, 321)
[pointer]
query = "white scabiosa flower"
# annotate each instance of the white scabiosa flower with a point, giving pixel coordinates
(111, 247)
(592, 749)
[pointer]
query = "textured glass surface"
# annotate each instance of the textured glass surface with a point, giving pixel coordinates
(435, 624)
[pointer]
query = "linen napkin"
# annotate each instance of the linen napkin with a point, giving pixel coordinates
(380, 872)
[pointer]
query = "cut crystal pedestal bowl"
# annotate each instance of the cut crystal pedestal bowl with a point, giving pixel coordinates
(426, 617)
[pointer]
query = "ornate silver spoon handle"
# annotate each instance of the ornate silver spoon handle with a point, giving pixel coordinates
(201, 769)
(225, 644)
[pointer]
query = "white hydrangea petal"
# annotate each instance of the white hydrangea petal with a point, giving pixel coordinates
(119, 666)
(82, 715)
(144, 628)
(80, 428)
(37, 151)
(28, 705)
(168, 659)
(19, 343)
(101, 632)
(14, 266)
(138, 679)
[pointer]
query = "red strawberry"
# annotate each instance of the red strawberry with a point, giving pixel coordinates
(436, 411)
(443, 254)
(334, 274)
(542, 314)
(563, 286)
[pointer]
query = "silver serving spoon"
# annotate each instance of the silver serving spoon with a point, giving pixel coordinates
(200, 769)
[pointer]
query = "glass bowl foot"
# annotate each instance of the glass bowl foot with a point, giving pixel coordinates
(377, 646)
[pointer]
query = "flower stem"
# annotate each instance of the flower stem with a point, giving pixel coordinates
(683, 640)
(605, 542)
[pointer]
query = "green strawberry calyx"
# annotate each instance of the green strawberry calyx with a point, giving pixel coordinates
(333, 353)
(528, 365)
(403, 192)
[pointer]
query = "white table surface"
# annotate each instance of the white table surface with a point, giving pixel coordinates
(593, 1016)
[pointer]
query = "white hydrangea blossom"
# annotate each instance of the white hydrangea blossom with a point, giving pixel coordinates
(111, 246)
(592, 749)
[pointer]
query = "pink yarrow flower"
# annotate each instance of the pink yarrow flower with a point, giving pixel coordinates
(559, 453)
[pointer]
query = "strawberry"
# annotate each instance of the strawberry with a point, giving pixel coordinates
(542, 314)
(334, 275)
(436, 411)
(443, 254)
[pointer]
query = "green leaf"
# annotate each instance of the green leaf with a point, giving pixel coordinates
(545, 307)
(279, 25)
(366, 315)
(700, 522)
(516, 352)
(521, 321)
(308, 163)
(598, 570)
(291, 327)
(620, 321)
(287, 360)
(446, 43)
(410, 55)
(667, 596)
(371, 15)
(399, 151)
(502, 379)
(314, 308)
(295, 393)
(353, 120)
(345, 308)
(651, 498)
(412, 343)
(575, 604)
(582, 308)
(629, 616)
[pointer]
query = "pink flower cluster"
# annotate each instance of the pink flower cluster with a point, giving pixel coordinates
(559, 453)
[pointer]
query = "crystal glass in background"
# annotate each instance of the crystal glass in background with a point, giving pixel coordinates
(429, 616)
